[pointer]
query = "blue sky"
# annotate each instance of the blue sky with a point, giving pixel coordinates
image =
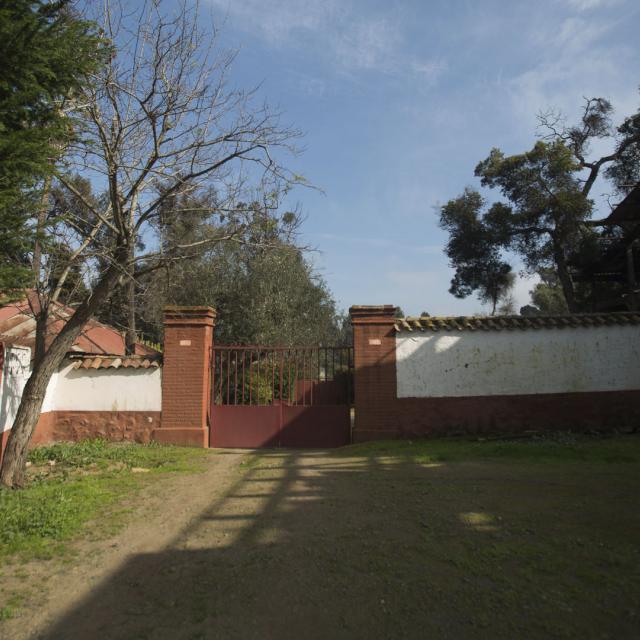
(400, 100)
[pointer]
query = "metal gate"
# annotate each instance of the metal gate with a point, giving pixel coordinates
(281, 397)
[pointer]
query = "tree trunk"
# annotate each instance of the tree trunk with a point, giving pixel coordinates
(131, 336)
(42, 317)
(565, 277)
(15, 457)
(42, 313)
(42, 218)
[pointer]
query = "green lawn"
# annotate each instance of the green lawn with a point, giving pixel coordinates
(533, 537)
(73, 483)
(552, 448)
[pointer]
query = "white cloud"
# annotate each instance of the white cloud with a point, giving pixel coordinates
(279, 22)
(368, 45)
(430, 69)
(578, 34)
(308, 84)
(350, 39)
(382, 243)
(586, 5)
(579, 58)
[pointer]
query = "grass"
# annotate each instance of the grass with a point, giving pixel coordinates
(536, 538)
(105, 455)
(558, 448)
(10, 609)
(71, 484)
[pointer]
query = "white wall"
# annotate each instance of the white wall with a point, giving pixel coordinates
(106, 390)
(15, 372)
(79, 389)
(510, 362)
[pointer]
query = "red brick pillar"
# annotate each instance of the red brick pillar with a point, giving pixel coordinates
(374, 347)
(188, 340)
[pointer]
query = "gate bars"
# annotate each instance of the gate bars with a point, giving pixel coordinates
(259, 375)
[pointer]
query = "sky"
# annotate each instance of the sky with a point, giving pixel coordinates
(400, 100)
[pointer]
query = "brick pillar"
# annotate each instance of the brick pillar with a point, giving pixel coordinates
(374, 347)
(188, 340)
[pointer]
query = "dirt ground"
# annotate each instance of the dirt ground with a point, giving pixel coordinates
(317, 545)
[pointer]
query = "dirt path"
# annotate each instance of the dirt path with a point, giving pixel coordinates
(308, 545)
(162, 513)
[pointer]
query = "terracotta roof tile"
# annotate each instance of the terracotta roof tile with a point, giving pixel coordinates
(499, 323)
(112, 361)
(17, 326)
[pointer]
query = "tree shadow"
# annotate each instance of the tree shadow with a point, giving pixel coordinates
(316, 546)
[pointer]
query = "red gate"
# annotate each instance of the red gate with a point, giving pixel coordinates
(281, 397)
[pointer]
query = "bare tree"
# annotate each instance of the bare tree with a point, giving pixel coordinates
(157, 119)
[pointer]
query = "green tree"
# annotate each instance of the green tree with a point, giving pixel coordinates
(159, 111)
(546, 296)
(473, 251)
(263, 288)
(546, 209)
(46, 52)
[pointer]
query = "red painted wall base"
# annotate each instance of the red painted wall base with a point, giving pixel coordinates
(410, 417)
(182, 436)
(4, 436)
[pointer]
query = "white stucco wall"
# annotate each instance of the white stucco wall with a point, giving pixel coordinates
(511, 362)
(106, 390)
(15, 372)
(50, 396)
(79, 389)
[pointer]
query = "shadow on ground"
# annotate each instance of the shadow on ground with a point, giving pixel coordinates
(307, 545)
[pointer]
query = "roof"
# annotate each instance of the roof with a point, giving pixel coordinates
(628, 210)
(18, 326)
(113, 361)
(498, 323)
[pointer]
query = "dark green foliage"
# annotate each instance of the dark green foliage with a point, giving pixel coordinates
(546, 207)
(262, 295)
(625, 171)
(474, 250)
(545, 213)
(262, 286)
(46, 52)
(546, 296)
(15, 241)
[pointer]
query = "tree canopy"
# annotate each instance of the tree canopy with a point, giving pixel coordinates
(473, 251)
(544, 215)
(46, 53)
(263, 287)
(157, 117)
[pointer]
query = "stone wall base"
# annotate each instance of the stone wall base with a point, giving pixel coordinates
(72, 426)
(115, 426)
